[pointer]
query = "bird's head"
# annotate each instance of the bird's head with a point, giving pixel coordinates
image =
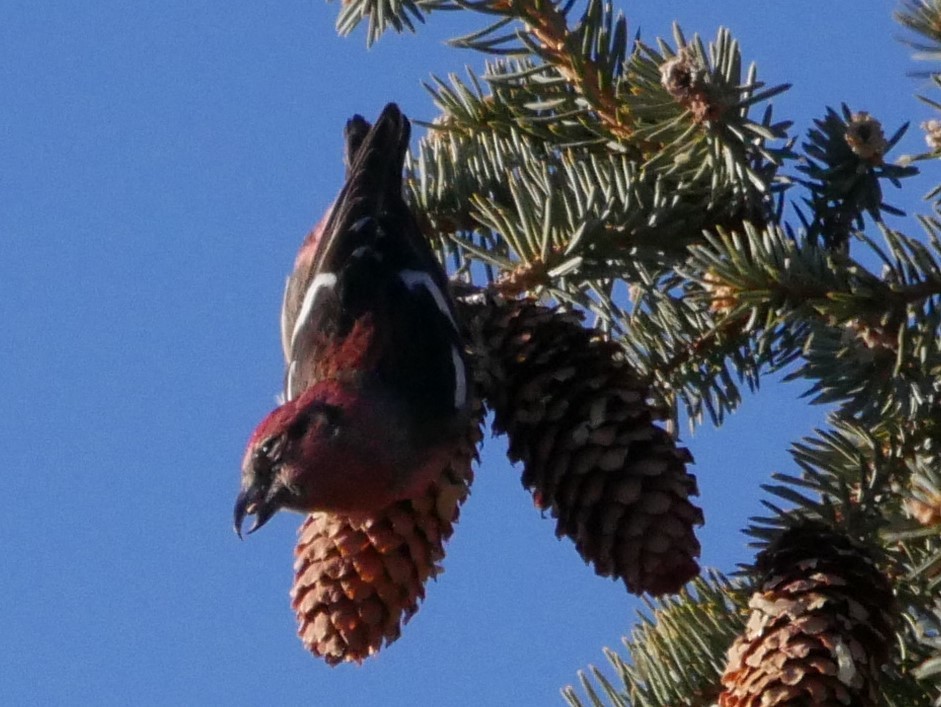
(340, 447)
(283, 456)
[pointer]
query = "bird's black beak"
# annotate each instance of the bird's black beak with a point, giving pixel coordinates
(251, 501)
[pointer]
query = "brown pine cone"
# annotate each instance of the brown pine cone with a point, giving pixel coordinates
(359, 578)
(820, 628)
(580, 421)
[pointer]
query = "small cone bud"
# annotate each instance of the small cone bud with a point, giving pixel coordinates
(359, 578)
(685, 78)
(820, 627)
(865, 137)
(923, 501)
(580, 421)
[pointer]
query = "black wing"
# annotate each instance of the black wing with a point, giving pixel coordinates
(371, 264)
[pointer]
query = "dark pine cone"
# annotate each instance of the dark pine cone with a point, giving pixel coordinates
(579, 420)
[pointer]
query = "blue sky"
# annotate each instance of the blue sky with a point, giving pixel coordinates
(159, 165)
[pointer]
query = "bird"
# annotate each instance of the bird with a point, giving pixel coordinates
(376, 385)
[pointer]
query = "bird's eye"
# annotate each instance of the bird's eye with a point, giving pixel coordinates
(332, 415)
(268, 450)
(264, 459)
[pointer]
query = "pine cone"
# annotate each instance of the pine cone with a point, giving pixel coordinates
(820, 627)
(359, 578)
(580, 421)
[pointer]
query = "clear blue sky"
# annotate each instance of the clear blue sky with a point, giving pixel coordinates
(159, 164)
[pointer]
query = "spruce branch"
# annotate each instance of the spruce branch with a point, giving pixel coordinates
(383, 15)
(630, 181)
(866, 341)
(922, 18)
(845, 165)
(588, 56)
(925, 628)
(676, 649)
(847, 474)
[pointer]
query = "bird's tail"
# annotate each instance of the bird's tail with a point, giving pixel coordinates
(375, 157)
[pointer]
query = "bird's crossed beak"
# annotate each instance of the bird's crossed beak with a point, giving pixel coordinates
(252, 501)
